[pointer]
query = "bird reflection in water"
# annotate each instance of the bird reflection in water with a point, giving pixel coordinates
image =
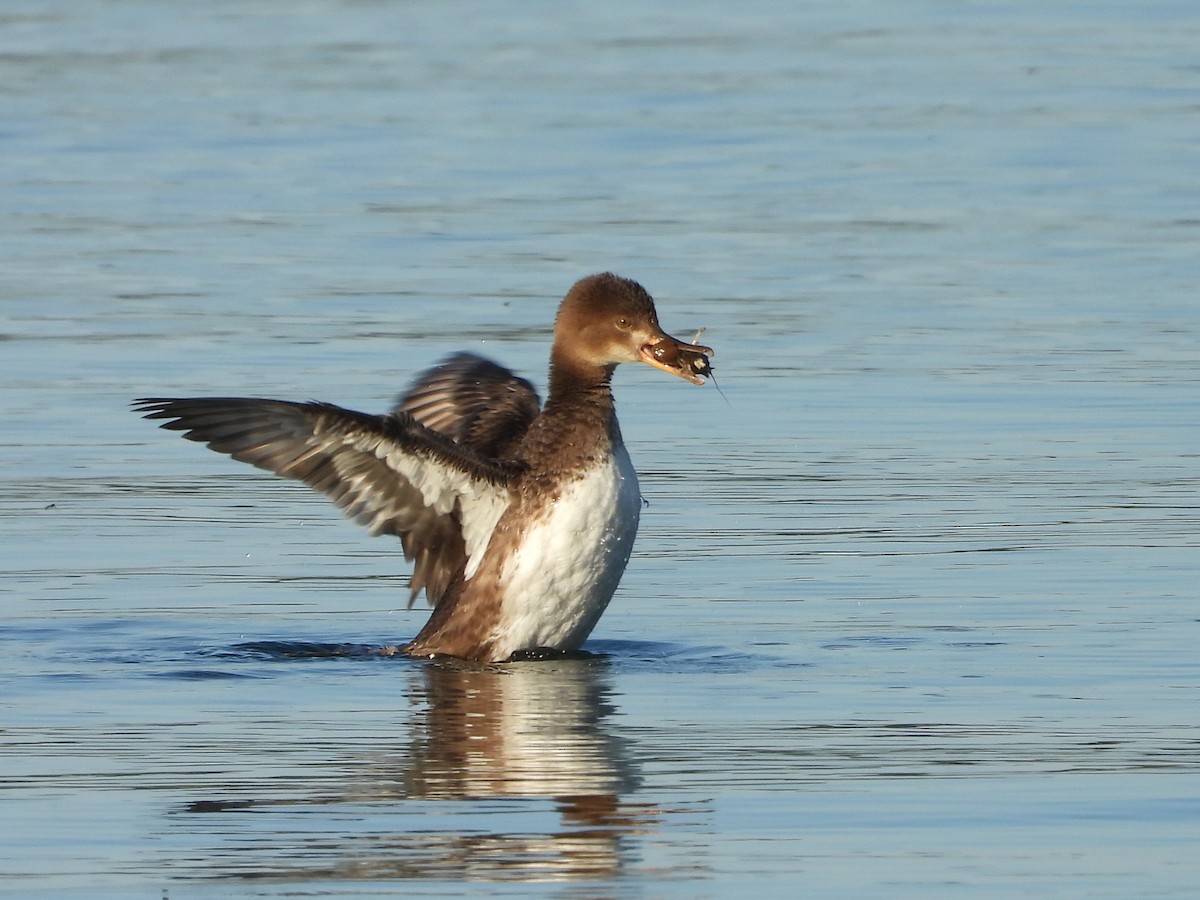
(532, 730)
(493, 751)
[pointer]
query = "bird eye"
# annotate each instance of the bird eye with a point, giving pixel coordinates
(623, 323)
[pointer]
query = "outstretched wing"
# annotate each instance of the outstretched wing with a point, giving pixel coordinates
(391, 473)
(475, 402)
(480, 405)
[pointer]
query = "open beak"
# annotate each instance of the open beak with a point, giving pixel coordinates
(688, 361)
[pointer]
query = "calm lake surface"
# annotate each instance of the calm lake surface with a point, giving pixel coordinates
(914, 610)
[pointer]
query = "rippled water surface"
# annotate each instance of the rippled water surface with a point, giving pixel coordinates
(914, 609)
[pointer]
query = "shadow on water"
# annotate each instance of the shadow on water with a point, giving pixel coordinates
(505, 772)
(661, 656)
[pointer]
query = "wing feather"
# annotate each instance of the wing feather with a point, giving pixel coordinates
(482, 406)
(390, 473)
(475, 402)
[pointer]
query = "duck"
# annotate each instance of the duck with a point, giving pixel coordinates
(519, 517)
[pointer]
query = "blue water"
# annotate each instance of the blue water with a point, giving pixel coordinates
(914, 609)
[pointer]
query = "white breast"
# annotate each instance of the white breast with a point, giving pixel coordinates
(571, 560)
